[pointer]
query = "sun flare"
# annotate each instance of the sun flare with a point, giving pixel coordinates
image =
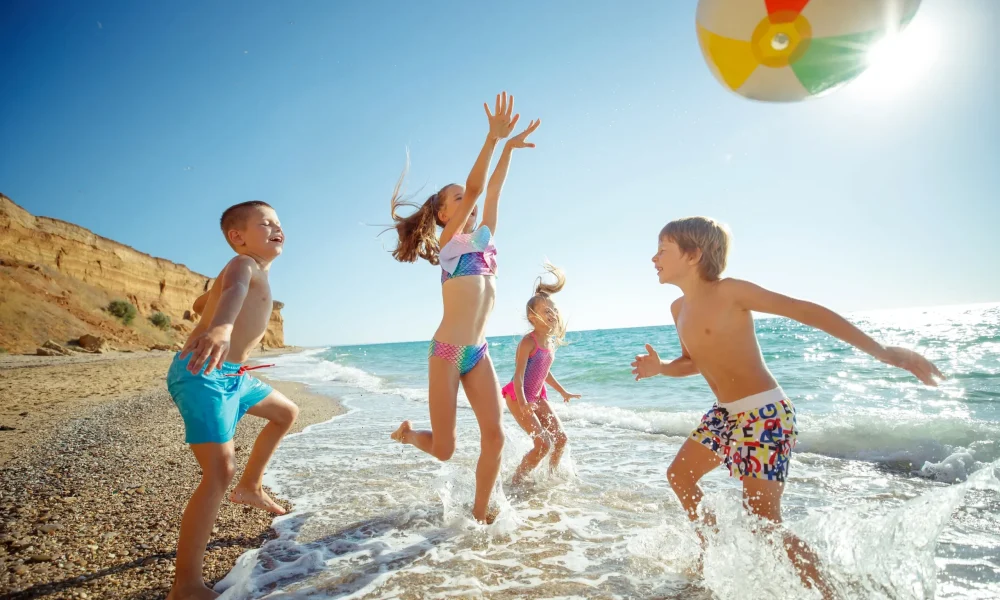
(899, 61)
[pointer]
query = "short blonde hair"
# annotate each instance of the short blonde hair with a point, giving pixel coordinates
(705, 234)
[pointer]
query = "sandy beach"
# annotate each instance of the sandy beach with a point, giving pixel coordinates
(94, 475)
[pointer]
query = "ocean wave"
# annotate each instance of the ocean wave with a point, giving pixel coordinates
(942, 448)
(945, 448)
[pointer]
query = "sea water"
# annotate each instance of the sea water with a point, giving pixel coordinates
(894, 485)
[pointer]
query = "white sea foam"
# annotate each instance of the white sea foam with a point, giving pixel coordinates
(374, 519)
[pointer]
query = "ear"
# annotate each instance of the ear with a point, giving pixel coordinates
(441, 215)
(235, 237)
(694, 258)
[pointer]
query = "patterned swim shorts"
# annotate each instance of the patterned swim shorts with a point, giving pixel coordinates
(756, 443)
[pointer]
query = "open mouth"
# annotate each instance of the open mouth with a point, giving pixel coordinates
(278, 239)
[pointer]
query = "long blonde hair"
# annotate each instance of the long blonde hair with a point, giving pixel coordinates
(544, 291)
(418, 231)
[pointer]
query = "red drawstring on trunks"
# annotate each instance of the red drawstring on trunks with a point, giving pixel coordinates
(243, 369)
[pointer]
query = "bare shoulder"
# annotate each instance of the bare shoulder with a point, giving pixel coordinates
(527, 343)
(735, 289)
(675, 307)
(238, 262)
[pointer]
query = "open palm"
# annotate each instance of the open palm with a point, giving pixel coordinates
(501, 121)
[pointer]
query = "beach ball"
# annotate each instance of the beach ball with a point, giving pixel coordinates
(790, 50)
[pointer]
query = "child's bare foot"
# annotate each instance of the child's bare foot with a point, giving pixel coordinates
(256, 498)
(198, 592)
(404, 428)
(491, 515)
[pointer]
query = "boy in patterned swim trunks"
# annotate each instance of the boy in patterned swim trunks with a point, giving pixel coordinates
(751, 428)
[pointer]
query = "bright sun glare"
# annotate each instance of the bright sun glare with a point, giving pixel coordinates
(899, 61)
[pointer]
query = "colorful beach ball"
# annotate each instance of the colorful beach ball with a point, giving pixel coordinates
(790, 50)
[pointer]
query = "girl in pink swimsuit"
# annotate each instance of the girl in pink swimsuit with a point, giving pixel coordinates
(526, 397)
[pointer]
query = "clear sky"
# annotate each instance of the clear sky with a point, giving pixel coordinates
(143, 120)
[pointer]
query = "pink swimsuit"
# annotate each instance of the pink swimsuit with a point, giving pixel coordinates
(535, 373)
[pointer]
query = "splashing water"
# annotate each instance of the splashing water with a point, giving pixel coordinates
(895, 487)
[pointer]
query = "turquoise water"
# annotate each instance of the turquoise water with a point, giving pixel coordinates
(894, 484)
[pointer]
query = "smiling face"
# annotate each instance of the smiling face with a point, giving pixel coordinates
(671, 263)
(449, 199)
(543, 314)
(256, 231)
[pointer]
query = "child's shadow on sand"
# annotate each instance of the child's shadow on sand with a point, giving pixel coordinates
(287, 562)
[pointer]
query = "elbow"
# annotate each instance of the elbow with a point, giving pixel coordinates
(473, 189)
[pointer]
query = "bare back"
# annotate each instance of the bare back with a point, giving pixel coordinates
(718, 335)
(251, 323)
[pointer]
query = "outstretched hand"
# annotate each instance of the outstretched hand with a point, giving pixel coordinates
(519, 140)
(922, 369)
(568, 397)
(501, 121)
(646, 365)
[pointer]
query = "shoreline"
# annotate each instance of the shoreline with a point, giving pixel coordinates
(94, 478)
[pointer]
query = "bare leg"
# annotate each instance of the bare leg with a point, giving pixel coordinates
(692, 462)
(218, 465)
(531, 425)
(442, 397)
(483, 390)
(763, 499)
(280, 413)
(550, 421)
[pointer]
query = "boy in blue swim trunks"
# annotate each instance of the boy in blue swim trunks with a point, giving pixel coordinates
(751, 428)
(212, 390)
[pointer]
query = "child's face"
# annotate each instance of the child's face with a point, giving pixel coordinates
(544, 315)
(450, 199)
(262, 235)
(671, 264)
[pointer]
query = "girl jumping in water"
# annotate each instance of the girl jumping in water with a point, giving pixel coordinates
(458, 352)
(525, 394)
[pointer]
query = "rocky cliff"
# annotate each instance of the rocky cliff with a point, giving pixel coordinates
(76, 271)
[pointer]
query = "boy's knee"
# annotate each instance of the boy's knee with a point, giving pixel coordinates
(678, 477)
(287, 417)
(221, 472)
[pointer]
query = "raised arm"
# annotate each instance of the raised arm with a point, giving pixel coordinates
(501, 124)
(209, 349)
(492, 204)
(752, 297)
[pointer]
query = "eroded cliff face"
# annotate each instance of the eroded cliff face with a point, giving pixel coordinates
(72, 259)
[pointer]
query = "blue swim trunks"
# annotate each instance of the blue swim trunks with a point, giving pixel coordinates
(212, 404)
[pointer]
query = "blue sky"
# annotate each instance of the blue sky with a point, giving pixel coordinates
(143, 121)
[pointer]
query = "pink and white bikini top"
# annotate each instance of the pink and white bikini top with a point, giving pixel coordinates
(468, 254)
(536, 371)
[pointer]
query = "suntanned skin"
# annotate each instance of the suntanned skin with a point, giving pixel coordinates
(235, 313)
(714, 320)
(468, 303)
